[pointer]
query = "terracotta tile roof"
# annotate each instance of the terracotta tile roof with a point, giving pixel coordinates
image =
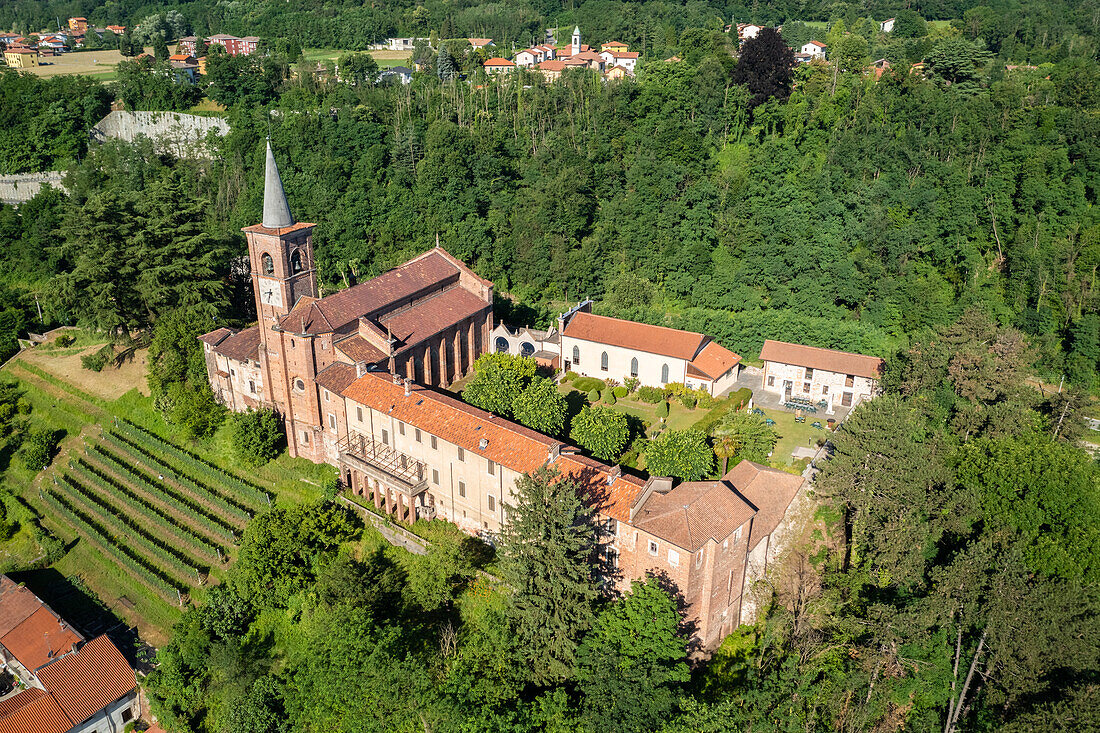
(86, 682)
(614, 500)
(496, 61)
(336, 377)
(770, 490)
(840, 362)
(430, 316)
(819, 44)
(417, 277)
(40, 638)
(714, 360)
(357, 348)
(625, 54)
(552, 65)
(480, 41)
(241, 346)
(632, 335)
(277, 231)
(32, 711)
(178, 57)
(509, 444)
(693, 513)
(17, 604)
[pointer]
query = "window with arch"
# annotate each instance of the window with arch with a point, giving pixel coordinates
(526, 348)
(268, 264)
(603, 361)
(576, 355)
(634, 367)
(664, 374)
(502, 345)
(296, 261)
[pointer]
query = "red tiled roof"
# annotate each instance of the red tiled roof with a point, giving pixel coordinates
(480, 41)
(357, 348)
(614, 500)
(88, 681)
(336, 377)
(829, 360)
(693, 513)
(414, 278)
(632, 335)
(714, 360)
(430, 316)
(509, 444)
(40, 638)
(241, 346)
(261, 229)
(552, 65)
(624, 54)
(17, 604)
(770, 490)
(496, 61)
(32, 711)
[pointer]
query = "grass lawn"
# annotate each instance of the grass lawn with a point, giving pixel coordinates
(793, 435)
(383, 58)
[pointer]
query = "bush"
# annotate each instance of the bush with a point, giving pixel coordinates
(631, 384)
(740, 398)
(569, 376)
(705, 401)
(662, 409)
(98, 359)
(609, 396)
(652, 395)
(587, 384)
(688, 400)
(39, 448)
(594, 396)
(64, 340)
(620, 392)
(257, 436)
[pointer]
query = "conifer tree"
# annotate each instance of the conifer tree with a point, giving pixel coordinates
(546, 548)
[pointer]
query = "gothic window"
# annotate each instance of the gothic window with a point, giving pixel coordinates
(296, 261)
(268, 264)
(526, 348)
(576, 355)
(664, 374)
(502, 345)
(634, 367)
(603, 361)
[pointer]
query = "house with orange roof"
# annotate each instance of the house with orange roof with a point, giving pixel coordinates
(626, 59)
(616, 73)
(67, 685)
(480, 43)
(836, 378)
(616, 46)
(605, 347)
(498, 65)
(21, 57)
(551, 69)
(78, 24)
(815, 49)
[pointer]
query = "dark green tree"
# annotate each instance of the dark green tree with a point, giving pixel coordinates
(257, 436)
(600, 430)
(766, 67)
(682, 454)
(540, 406)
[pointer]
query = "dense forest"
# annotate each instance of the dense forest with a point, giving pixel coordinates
(944, 219)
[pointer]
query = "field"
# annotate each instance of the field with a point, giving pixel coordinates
(96, 64)
(147, 519)
(384, 58)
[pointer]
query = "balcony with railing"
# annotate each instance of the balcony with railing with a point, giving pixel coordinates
(383, 463)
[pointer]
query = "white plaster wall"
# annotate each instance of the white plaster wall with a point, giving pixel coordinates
(618, 362)
(824, 385)
(109, 720)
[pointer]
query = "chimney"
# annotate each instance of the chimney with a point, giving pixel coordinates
(360, 368)
(396, 379)
(483, 444)
(408, 391)
(555, 453)
(614, 474)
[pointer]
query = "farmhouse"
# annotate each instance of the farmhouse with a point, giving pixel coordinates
(603, 347)
(352, 375)
(21, 58)
(814, 49)
(498, 66)
(68, 685)
(838, 378)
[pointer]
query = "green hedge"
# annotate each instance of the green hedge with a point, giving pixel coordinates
(652, 395)
(587, 384)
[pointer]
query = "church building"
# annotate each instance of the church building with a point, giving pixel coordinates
(428, 320)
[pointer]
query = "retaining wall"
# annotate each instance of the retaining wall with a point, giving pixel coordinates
(22, 187)
(181, 135)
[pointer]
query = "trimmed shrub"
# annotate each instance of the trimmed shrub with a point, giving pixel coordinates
(705, 401)
(652, 395)
(594, 396)
(587, 384)
(609, 396)
(662, 409)
(740, 398)
(621, 392)
(569, 376)
(631, 384)
(688, 400)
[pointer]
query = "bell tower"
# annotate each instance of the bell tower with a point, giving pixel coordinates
(280, 252)
(576, 46)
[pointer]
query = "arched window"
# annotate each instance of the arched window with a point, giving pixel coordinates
(603, 361)
(634, 367)
(296, 261)
(502, 345)
(268, 264)
(664, 374)
(526, 348)
(576, 355)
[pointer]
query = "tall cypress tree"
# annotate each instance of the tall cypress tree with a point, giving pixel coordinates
(546, 549)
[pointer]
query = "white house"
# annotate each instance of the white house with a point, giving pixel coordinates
(815, 49)
(603, 347)
(745, 31)
(529, 57)
(887, 25)
(838, 378)
(497, 65)
(626, 59)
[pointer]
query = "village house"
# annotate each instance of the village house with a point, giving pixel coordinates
(429, 319)
(498, 66)
(118, 30)
(624, 59)
(395, 74)
(887, 26)
(67, 685)
(814, 49)
(614, 46)
(838, 378)
(21, 57)
(480, 43)
(616, 73)
(78, 24)
(184, 68)
(747, 31)
(352, 375)
(604, 347)
(188, 45)
(551, 69)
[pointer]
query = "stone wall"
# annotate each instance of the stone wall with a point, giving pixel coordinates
(181, 135)
(22, 187)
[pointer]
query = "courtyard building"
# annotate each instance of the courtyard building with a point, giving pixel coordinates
(836, 378)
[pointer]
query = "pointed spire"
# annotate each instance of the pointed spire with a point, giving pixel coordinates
(577, 31)
(276, 210)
